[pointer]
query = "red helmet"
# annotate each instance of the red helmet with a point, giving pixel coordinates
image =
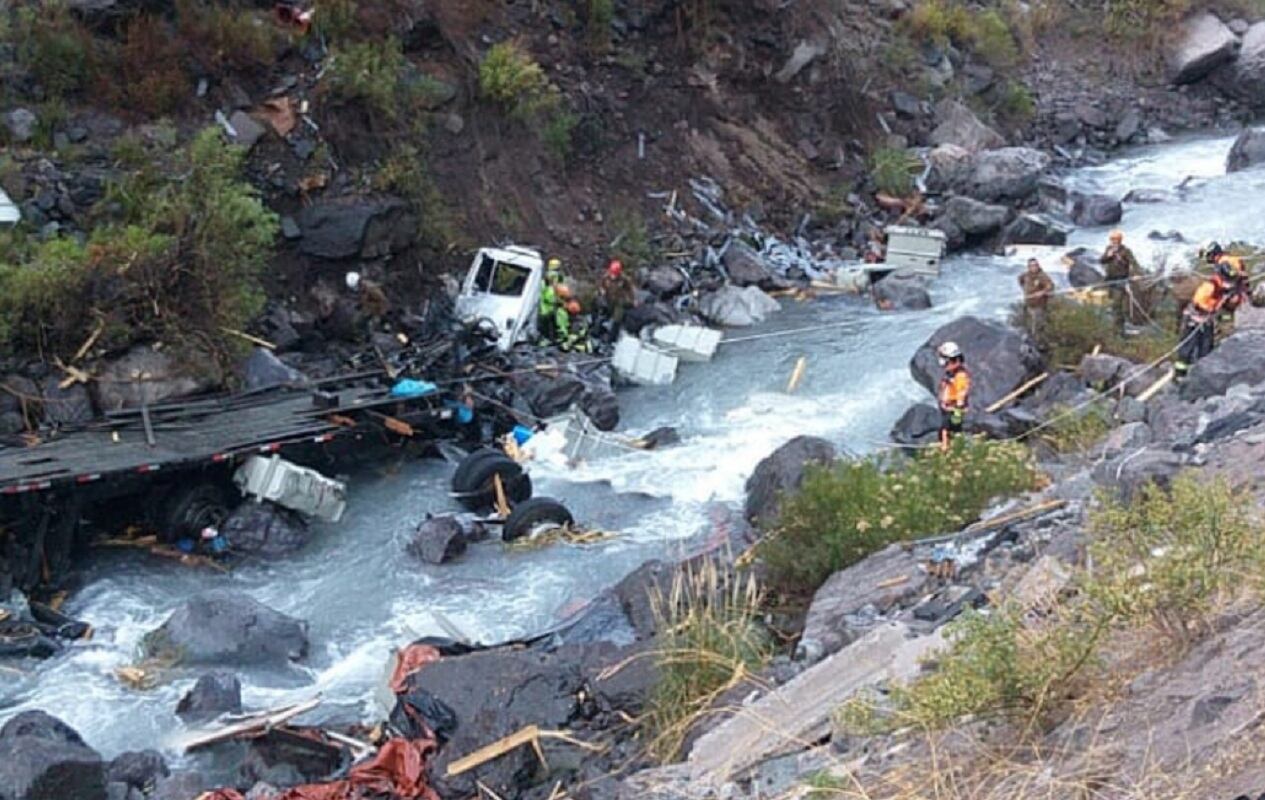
(615, 268)
(573, 307)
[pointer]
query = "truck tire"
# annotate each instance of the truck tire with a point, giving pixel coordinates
(189, 509)
(476, 488)
(533, 514)
(461, 476)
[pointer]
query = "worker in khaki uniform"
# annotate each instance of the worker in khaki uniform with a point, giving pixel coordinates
(1120, 266)
(955, 392)
(618, 294)
(1037, 290)
(1199, 326)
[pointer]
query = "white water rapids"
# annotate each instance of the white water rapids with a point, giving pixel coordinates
(363, 595)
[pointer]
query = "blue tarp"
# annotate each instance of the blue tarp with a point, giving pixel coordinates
(411, 388)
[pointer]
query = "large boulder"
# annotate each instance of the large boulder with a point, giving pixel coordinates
(1244, 77)
(213, 694)
(1202, 44)
(781, 472)
(1240, 359)
(438, 540)
(42, 758)
(138, 769)
(221, 627)
(903, 290)
(1085, 269)
(1011, 173)
(948, 167)
(957, 124)
(663, 281)
(263, 370)
(359, 228)
(999, 358)
(145, 376)
(549, 396)
(1096, 210)
(65, 405)
(1248, 150)
(745, 266)
(920, 424)
(1039, 229)
(974, 218)
(735, 307)
(1126, 474)
(265, 529)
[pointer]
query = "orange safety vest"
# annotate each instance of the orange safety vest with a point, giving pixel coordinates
(1209, 296)
(955, 387)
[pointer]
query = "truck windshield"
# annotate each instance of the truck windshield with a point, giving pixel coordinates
(497, 277)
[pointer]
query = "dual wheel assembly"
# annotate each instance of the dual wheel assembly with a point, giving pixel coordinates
(474, 486)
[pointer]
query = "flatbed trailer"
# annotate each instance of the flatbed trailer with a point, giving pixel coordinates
(173, 463)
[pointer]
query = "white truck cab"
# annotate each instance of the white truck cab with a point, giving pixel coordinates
(503, 286)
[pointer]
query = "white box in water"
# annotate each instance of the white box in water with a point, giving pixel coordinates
(584, 442)
(692, 343)
(643, 363)
(915, 249)
(296, 488)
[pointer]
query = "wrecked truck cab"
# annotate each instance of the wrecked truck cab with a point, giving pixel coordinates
(503, 287)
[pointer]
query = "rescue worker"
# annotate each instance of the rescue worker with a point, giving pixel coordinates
(618, 294)
(955, 392)
(549, 303)
(1120, 266)
(1037, 289)
(1237, 292)
(1199, 325)
(572, 333)
(373, 301)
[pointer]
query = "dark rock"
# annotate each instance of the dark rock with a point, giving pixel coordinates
(664, 281)
(1091, 116)
(957, 124)
(38, 768)
(21, 124)
(1010, 173)
(290, 229)
(949, 167)
(978, 78)
(11, 422)
(835, 617)
(903, 290)
(248, 129)
(1096, 210)
(781, 472)
(116, 790)
(288, 761)
(1248, 150)
(1129, 126)
(180, 786)
(1202, 44)
(144, 376)
(1060, 389)
(1130, 409)
(999, 358)
(1240, 359)
(138, 769)
(265, 529)
(920, 424)
(1172, 420)
(650, 315)
(1084, 270)
(1244, 77)
(222, 627)
(213, 694)
(364, 229)
(263, 370)
(1035, 229)
(438, 540)
(905, 104)
(42, 726)
(1128, 473)
(974, 218)
(1148, 196)
(1102, 372)
(1128, 438)
(745, 266)
(601, 405)
(66, 406)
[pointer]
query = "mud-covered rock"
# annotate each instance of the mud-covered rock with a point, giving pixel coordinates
(438, 540)
(222, 627)
(781, 472)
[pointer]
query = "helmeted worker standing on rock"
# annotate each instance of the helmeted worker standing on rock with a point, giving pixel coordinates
(1200, 318)
(1238, 290)
(1037, 289)
(546, 317)
(1120, 265)
(618, 294)
(955, 392)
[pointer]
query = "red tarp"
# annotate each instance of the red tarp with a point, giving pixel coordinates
(410, 660)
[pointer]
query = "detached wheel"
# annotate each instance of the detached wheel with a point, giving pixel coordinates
(532, 516)
(474, 482)
(189, 509)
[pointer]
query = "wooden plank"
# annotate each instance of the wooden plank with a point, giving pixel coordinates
(1008, 399)
(258, 724)
(1151, 390)
(493, 751)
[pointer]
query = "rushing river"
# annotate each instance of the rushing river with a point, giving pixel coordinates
(363, 595)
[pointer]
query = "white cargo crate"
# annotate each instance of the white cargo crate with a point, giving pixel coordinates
(690, 343)
(916, 249)
(296, 488)
(643, 363)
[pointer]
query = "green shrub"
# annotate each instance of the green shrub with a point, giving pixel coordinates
(1171, 556)
(557, 135)
(843, 513)
(1142, 19)
(510, 78)
(601, 16)
(710, 639)
(40, 294)
(335, 20)
(405, 174)
(1017, 103)
(984, 31)
(1077, 430)
(223, 38)
(991, 39)
(892, 170)
(63, 55)
(1073, 330)
(372, 73)
(632, 242)
(152, 78)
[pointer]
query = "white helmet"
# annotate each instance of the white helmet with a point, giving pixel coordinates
(949, 350)
(353, 280)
